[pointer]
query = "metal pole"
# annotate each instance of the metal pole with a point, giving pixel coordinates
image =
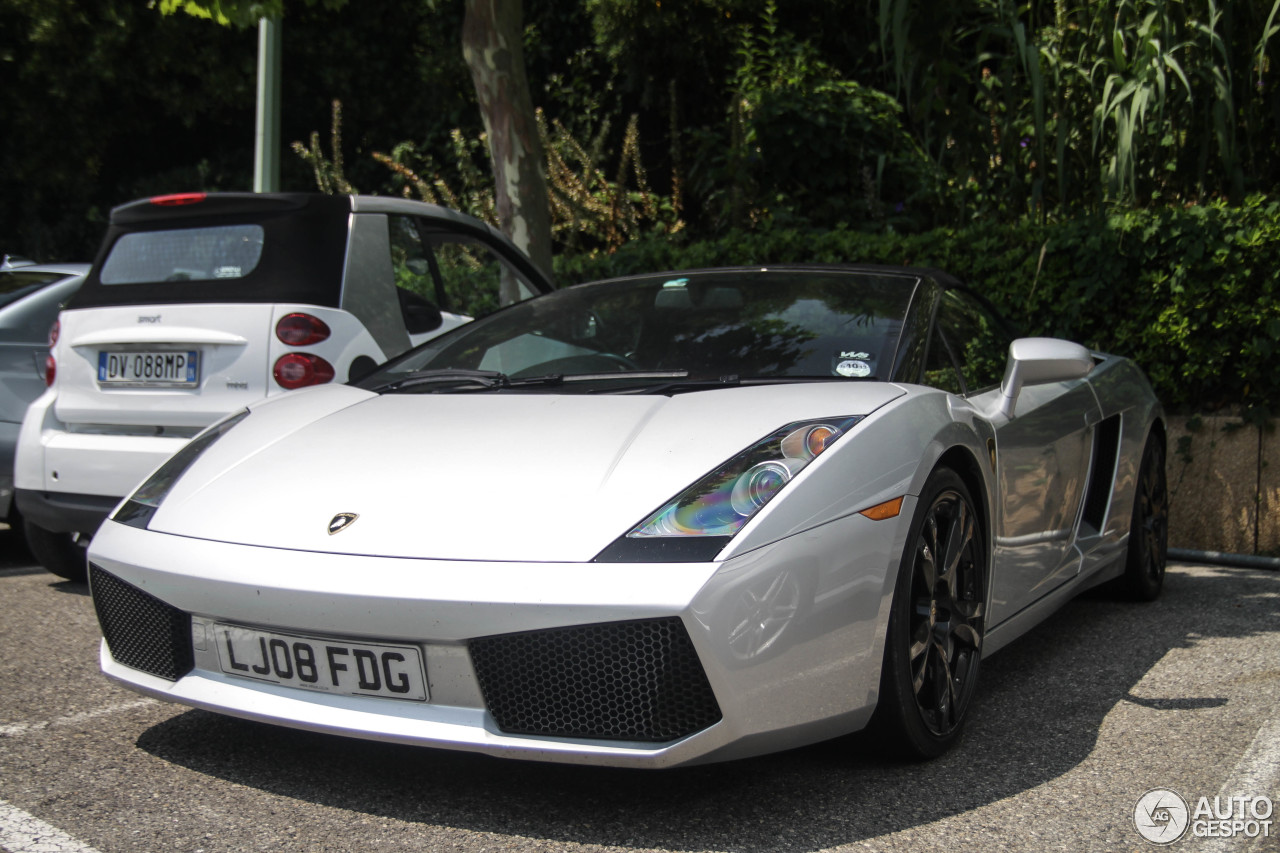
(266, 154)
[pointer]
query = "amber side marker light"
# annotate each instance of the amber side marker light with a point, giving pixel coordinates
(879, 512)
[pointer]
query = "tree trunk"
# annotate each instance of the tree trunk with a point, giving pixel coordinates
(493, 46)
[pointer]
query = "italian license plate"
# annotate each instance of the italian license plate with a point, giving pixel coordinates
(327, 665)
(156, 367)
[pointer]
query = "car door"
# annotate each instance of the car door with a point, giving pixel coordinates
(1042, 459)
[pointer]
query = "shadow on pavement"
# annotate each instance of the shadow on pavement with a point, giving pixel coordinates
(1040, 705)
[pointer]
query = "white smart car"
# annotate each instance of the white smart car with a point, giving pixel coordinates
(199, 304)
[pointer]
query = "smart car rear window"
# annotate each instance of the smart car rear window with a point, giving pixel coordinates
(188, 254)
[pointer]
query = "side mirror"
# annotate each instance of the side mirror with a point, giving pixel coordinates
(1040, 361)
(420, 316)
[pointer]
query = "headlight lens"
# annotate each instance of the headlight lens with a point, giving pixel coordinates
(723, 501)
(146, 499)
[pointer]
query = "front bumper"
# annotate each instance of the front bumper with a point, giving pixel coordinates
(788, 639)
(61, 512)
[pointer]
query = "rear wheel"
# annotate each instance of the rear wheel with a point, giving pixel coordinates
(937, 622)
(1143, 577)
(64, 554)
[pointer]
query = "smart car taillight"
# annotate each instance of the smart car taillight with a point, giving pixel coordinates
(300, 369)
(301, 330)
(50, 363)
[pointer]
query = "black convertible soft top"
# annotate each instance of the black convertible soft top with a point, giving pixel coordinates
(296, 244)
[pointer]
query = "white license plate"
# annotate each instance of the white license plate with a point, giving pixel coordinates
(153, 367)
(328, 665)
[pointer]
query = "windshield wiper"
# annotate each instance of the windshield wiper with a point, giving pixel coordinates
(682, 383)
(450, 379)
(627, 374)
(708, 383)
(461, 379)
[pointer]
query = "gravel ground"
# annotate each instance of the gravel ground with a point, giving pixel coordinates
(1072, 725)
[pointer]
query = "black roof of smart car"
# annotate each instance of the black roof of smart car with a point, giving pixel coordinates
(303, 249)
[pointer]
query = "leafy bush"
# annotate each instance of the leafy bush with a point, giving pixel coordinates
(808, 145)
(1190, 293)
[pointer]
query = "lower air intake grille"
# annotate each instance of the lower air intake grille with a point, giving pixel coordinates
(141, 630)
(615, 681)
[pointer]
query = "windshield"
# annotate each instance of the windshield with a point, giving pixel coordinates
(18, 285)
(711, 325)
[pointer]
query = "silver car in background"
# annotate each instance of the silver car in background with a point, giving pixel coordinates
(30, 297)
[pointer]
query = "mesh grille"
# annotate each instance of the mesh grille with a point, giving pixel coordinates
(616, 681)
(141, 630)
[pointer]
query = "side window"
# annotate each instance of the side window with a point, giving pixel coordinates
(977, 338)
(940, 369)
(454, 273)
(475, 280)
(411, 261)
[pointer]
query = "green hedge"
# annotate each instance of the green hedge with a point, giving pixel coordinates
(1191, 294)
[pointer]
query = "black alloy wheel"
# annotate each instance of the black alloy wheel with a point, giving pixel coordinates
(1143, 578)
(936, 626)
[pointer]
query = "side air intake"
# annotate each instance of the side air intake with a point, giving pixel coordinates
(142, 631)
(638, 681)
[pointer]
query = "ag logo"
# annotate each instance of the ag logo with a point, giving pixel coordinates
(1161, 816)
(341, 522)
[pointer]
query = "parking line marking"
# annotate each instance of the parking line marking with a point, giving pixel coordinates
(1256, 774)
(17, 729)
(25, 833)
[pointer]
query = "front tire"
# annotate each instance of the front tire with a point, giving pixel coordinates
(64, 554)
(937, 622)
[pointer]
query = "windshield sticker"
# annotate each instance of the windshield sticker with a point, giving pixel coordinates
(854, 368)
(226, 272)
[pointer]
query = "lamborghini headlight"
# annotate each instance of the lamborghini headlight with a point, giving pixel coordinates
(146, 499)
(723, 501)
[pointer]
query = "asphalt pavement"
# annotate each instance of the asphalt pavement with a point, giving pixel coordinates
(1073, 725)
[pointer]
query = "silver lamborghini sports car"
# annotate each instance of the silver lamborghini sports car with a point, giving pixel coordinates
(645, 522)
